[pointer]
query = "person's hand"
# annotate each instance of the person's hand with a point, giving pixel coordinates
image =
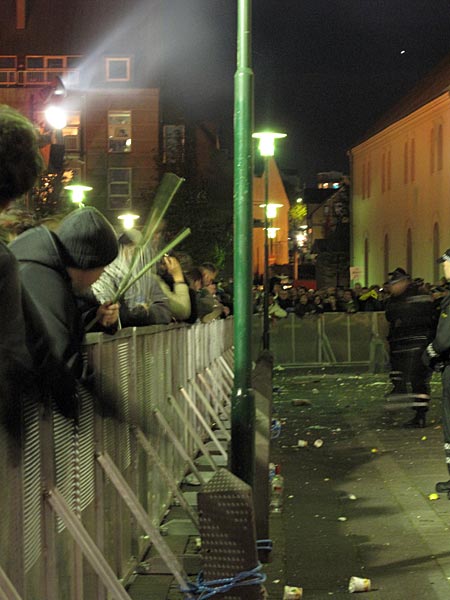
(108, 314)
(226, 310)
(174, 268)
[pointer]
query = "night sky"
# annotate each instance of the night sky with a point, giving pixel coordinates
(324, 70)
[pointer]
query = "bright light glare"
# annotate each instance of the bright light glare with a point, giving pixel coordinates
(267, 142)
(77, 192)
(56, 117)
(128, 220)
(299, 200)
(272, 232)
(271, 209)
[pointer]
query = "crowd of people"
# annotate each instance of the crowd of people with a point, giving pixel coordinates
(285, 297)
(64, 278)
(60, 281)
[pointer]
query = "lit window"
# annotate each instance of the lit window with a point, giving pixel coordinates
(71, 133)
(119, 188)
(119, 131)
(117, 69)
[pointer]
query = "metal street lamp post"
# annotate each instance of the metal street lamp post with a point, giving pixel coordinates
(267, 149)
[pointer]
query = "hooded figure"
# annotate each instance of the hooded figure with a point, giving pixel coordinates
(54, 267)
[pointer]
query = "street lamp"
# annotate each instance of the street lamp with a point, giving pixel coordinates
(128, 220)
(78, 192)
(266, 147)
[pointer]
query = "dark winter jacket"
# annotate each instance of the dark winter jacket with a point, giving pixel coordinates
(412, 318)
(44, 277)
(15, 360)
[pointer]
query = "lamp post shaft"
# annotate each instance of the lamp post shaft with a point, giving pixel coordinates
(243, 403)
(266, 330)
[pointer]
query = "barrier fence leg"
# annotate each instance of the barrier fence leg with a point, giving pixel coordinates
(220, 383)
(215, 417)
(226, 373)
(203, 421)
(226, 400)
(88, 547)
(169, 480)
(203, 449)
(129, 497)
(7, 590)
(178, 445)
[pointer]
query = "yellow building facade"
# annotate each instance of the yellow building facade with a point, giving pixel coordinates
(400, 207)
(278, 246)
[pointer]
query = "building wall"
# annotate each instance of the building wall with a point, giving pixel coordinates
(400, 197)
(277, 194)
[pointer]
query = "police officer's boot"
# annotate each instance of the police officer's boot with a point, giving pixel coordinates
(419, 420)
(443, 487)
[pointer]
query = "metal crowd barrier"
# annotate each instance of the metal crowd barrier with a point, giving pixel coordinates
(357, 339)
(79, 501)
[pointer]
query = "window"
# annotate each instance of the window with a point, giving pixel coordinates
(409, 250)
(439, 148)
(432, 152)
(364, 180)
(388, 174)
(117, 69)
(405, 163)
(7, 69)
(119, 131)
(119, 188)
(436, 251)
(386, 255)
(71, 133)
(44, 69)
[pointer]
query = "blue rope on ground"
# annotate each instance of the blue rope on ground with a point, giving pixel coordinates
(275, 429)
(207, 589)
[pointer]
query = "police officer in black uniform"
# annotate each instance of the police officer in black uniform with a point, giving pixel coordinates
(437, 356)
(412, 317)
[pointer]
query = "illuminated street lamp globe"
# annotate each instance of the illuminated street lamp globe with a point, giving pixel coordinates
(271, 209)
(266, 143)
(128, 220)
(56, 117)
(77, 192)
(272, 232)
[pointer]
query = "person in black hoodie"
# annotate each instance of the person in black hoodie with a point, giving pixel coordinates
(53, 268)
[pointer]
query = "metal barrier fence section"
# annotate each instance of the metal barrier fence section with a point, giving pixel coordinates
(328, 339)
(79, 498)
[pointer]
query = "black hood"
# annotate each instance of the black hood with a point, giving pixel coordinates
(41, 246)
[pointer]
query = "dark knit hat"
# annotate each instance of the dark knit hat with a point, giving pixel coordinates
(398, 274)
(88, 239)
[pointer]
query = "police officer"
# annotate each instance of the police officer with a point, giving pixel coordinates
(437, 356)
(412, 318)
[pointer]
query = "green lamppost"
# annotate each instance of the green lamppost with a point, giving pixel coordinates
(266, 149)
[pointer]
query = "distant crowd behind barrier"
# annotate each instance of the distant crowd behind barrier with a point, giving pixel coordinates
(286, 298)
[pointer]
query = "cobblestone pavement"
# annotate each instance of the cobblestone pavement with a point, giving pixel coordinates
(358, 505)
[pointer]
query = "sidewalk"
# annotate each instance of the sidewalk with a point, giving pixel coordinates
(358, 505)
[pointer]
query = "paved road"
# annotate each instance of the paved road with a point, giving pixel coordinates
(358, 505)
